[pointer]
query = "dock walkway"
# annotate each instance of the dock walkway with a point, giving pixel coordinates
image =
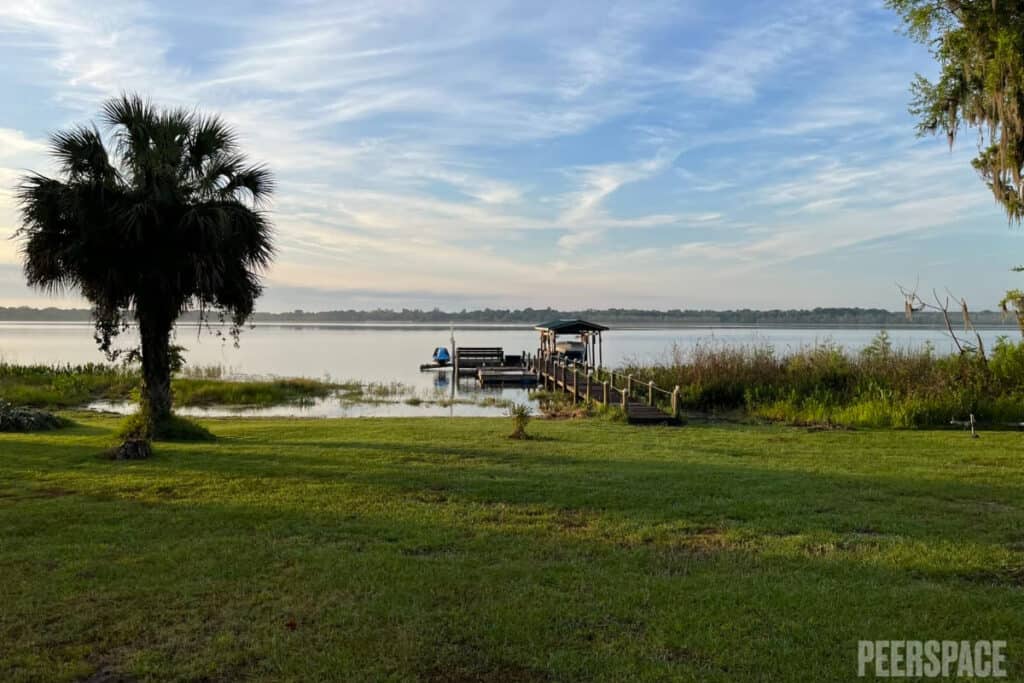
(638, 400)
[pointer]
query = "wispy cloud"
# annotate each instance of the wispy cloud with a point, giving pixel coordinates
(511, 152)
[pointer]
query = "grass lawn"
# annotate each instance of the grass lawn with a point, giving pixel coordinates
(440, 550)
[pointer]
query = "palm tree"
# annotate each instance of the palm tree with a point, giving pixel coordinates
(165, 219)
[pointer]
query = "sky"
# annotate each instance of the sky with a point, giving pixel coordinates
(572, 154)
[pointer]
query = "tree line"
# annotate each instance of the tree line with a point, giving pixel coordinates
(531, 316)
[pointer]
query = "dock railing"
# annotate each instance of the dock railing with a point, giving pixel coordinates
(600, 385)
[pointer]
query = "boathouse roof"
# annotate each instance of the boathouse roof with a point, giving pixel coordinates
(575, 326)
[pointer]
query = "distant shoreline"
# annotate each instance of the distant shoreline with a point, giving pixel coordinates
(485, 325)
(616, 318)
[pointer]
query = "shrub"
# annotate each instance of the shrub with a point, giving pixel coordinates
(520, 414)
(15, 419)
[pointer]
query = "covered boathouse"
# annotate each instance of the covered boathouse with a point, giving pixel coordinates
(586, 349)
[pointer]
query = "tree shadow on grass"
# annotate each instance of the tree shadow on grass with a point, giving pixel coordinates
(658, 496)
(444, 597)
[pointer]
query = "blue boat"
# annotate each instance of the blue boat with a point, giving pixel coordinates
(441, 356)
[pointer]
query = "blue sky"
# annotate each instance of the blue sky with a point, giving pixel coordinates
(467, 154)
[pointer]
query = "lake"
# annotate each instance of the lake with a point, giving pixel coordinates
(392, 354)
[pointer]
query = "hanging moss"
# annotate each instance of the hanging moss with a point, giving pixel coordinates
(979, 45)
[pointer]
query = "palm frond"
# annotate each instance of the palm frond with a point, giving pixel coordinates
(180, 224)
(257, 180)
(210, 137)
(128, 110)
(133, 121)
(81, 154)
(216, 173)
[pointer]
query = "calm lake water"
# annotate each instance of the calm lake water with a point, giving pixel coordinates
(392, 354)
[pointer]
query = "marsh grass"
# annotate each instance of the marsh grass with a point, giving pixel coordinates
(205, 392)
(65, 386)
(355, 391)
(882, 386)
(205, 372)
(75, 386)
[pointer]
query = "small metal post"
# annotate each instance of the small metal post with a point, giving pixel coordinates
(650, 393)
(675, 403)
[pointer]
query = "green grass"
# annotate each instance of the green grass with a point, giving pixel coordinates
(441, 550)
(65, 386)
(74, 386)
(208, 392)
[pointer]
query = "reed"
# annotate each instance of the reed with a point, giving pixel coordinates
(881, 386)
(74, 386)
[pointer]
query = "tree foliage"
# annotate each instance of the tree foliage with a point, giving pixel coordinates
(162, 215)
(979, 46)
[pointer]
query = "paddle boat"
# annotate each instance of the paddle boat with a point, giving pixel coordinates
(441, 359)
(441, 356)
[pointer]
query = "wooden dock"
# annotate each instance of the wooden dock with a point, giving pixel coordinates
(491, 367)
(506, 375)
(639, 401)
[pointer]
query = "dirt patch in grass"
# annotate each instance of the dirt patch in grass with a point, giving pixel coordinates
(167, 492)
(105, 675)
(499, 673)
(861, 541)
(672, 654)
(431, 495)
(1012, 575)
(570, 519)
(49, 492)
(427, 550)
(704, 540)
(682, 553)
(856, 542)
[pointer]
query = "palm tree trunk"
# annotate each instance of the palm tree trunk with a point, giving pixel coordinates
(155, 335)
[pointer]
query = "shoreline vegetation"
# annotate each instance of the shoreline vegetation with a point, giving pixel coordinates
(816, 385)
(817, 317)
(823, 384)
(73, 387)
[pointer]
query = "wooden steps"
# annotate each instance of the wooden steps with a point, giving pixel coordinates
(641, 413)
